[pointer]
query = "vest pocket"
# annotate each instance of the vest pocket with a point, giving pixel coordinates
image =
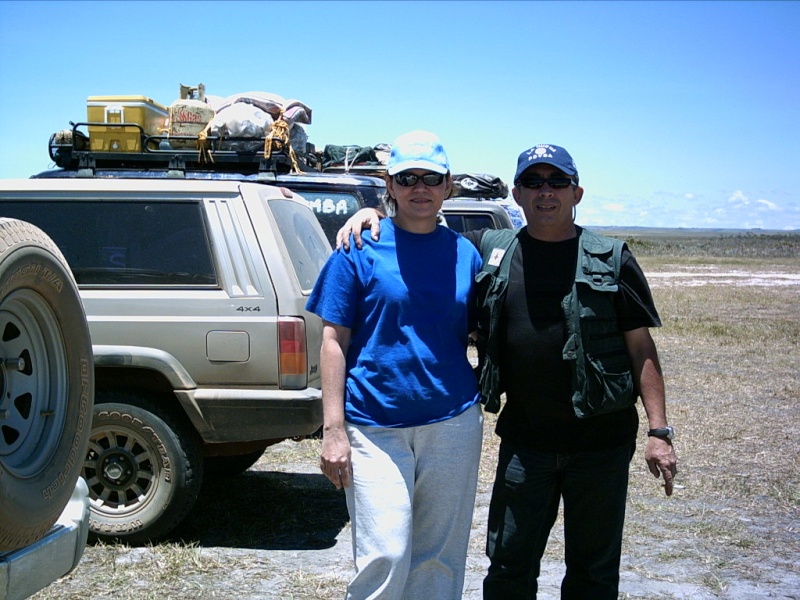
(609, 389)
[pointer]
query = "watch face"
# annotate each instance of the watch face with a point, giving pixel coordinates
(667, 432)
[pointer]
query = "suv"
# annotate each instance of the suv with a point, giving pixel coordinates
(204, 354)
(46, 397)
(469, 215)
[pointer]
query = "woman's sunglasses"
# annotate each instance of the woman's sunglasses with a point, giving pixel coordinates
(410, 179)
(557, 183)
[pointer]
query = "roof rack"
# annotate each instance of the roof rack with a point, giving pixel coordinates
(146, 151)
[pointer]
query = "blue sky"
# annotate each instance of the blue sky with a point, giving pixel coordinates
(678, 114)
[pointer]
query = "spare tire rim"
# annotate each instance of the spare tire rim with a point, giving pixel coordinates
(33, 383)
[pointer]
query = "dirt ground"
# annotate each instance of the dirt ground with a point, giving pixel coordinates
(731, 530)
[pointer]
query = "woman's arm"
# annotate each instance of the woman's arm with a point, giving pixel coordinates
(335, 458)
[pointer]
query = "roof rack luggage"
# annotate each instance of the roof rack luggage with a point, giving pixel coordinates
(71, 149)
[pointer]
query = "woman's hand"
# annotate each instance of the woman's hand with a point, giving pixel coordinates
(335, 460)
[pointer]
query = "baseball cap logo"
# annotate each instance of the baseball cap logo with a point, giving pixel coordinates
(541, 151)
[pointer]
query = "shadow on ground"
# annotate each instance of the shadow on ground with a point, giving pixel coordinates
(266, 510)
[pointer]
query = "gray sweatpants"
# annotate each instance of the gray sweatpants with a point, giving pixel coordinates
(410, 506)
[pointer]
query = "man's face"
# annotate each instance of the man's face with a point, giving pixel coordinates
(547, 208)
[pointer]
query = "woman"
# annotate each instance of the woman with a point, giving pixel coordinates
(403, 424)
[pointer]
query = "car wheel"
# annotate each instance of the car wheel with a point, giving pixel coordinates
(144, 468)
(222, 467)
(46, 382)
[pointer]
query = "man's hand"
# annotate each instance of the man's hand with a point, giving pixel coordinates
(363, 219)
(662, 461)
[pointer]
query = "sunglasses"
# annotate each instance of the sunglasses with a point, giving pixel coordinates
(557, 183)
(410, 179)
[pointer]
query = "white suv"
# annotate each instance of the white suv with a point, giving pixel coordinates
(204, 354)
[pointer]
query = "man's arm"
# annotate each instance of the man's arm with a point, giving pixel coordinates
(335, 459)
(659, 453)
(363, 219)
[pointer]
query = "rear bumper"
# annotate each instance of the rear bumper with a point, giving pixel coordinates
(25, 571)
(248, 415)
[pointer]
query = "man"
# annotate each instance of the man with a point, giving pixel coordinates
(567, 339)
(569, 425)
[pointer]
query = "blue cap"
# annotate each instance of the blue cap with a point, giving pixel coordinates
(549, 155)
(417, 150)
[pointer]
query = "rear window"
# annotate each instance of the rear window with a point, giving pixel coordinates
(125, 243)
(469, 222)
(332, 209)
(307, 249)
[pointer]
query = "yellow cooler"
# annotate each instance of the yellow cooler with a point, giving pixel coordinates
(143, 111)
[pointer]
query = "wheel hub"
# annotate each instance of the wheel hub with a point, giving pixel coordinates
(116, 468)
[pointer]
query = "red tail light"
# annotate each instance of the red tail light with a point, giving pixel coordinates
(293, 357)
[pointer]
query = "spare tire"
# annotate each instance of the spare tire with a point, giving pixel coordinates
(46, 382)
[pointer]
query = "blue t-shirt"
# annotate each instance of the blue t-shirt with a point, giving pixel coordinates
(407, 299)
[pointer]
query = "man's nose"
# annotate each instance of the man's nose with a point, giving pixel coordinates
(546, 190)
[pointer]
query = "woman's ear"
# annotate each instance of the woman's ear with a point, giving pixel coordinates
(449, 187)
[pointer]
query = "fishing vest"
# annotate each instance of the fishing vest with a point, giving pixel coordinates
(595, 349)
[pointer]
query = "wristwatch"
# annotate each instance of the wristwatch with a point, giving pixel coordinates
(667, 432)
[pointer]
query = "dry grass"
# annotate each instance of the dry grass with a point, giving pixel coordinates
(731, 530)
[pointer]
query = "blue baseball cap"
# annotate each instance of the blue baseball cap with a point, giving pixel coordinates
(417, 150)
(549, 155)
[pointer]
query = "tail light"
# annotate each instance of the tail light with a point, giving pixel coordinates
(293, 357)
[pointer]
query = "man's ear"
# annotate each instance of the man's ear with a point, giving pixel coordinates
(578, 194)
(515, 192)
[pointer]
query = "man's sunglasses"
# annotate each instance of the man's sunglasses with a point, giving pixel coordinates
(410, 179)
(557, 183)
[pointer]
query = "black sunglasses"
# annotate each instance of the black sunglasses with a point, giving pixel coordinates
(557, 183)
(410, 179)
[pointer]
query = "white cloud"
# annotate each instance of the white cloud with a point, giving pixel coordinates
(768, 204)
(733, 209)
(739, 199)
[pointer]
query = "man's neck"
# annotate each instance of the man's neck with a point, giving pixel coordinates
(549, 234)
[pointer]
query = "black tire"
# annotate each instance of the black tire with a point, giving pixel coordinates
(46, 383)
(223, 467)
(144, 468)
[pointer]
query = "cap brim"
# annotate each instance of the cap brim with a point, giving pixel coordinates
(533, 163)
(416, 164)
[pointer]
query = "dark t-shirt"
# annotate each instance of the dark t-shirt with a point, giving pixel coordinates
(538, 412)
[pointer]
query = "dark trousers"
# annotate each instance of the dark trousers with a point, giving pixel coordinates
(527, 490)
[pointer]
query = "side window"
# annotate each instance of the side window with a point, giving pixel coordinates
(129, 243)
(469, 222)
(307, 249)
(332, 209)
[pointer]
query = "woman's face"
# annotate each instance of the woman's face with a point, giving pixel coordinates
(420, 199)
